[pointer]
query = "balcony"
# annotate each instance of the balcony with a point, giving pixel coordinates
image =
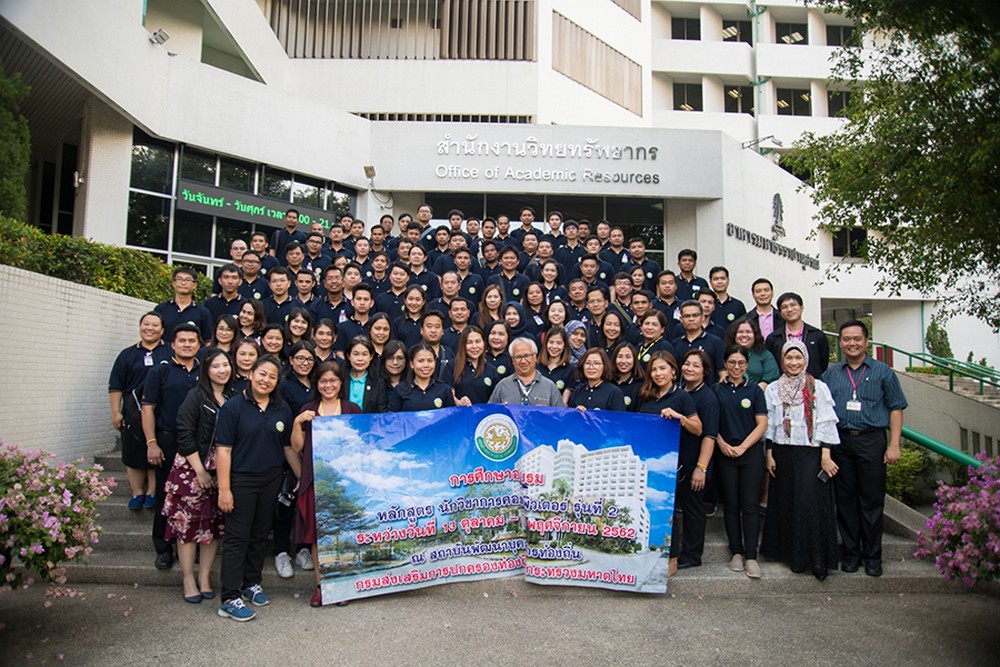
(701, 58)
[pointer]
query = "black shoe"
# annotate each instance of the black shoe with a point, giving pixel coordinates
(873, 568)
(164, 560)
(711, 509)
(850, 565)
(820, 574)
(685, 564)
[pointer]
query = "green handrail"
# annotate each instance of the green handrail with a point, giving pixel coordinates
(939, 447)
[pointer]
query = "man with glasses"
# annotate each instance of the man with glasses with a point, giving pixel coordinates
(695, 337)
(254, 285)
(527, 386)
(183, 308)
(790, 307)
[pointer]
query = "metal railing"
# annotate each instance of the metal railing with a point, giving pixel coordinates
(939, 447)
(983, 375)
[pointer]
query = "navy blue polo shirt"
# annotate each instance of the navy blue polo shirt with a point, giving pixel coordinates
(557, 240)
(316, 265)
(407, 330)
(218, 306)
(739, 406)
(513, 288)
(711, 345)
(195, 314)
(347, 331)
(322, 309)
(443, 263)
(630, 390)
(428, 281)
(557, 293)
(673, 312)
(605, 396)
(476, 389)
(646, 350)
(277, 313)
(133, 365)
(617, 259)
(502, 364)
(296, 394)
(389, 303)
(444, 369)
(450, 339)
(256, 437)
(487, 272)
(676, 398)
(689, 289)
(707, 405)
(268, 262)
(728, 312)
(427, 237)
(379, 285)
(561, 376)
(280, 240)
(410, 398)
(255, 289)
(472, 287)
(569, 257)
(649, 267)
(166, 387)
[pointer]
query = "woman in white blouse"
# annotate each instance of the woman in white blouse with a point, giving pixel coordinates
(800, 528)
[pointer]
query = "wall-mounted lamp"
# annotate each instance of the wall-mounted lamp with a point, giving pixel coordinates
(159, 37)
(370, 172)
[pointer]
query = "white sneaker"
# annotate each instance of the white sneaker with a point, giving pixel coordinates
(283, 564)
(304, 559)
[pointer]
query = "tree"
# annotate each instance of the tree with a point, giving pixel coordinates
(917, 164)
(937, 341)
(15, 147)
(336, 511)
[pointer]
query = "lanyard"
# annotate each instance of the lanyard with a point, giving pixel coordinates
(854, 383)
(525, 390)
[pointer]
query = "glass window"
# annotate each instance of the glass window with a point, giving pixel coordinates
(307, 192)
(849, 242)
(642, 218)
(236, 175)
(341, 201)
(276, 184)
(152, 163)
(192, 233)
(839, 101)
(739, 99)
(577, 208)
(198, 167)
(685, 28)
(840, 35)
(737, 31)
(794, 102)
(791, 33)
(511, 205)
(687, 97)
(148, 221)
(226, 230)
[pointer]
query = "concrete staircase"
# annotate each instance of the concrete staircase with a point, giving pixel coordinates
(125, 556)
(963, 386)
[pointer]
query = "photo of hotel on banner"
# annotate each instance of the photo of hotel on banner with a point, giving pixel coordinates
(563, 497)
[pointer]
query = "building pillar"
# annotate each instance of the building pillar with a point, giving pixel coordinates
(101, 209)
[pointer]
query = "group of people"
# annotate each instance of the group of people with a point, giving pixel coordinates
(215, 401)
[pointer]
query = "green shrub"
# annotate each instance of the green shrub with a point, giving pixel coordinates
(113, 268)
(905, 478)
(936, 339)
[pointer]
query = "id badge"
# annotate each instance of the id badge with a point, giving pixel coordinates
(147, 360)
(854, 406)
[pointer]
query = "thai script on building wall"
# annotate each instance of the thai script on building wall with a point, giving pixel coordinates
(764, 243)
(248, 208)
(592, 149)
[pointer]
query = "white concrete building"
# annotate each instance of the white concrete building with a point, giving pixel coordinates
(636, 111)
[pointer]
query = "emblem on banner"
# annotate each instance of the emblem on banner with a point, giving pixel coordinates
(496, 437)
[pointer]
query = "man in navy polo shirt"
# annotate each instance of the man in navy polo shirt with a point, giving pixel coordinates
(282, 237)
(183, 307)
(637, 257)
(237, 248)
(280, 303)
(471, 282)
(333, 306)
(512, 282)
(391, 302)
(354, 326)
(166, 386)
(688, 284)
(258, 243)
(228, 301)
(728, 309)
(527, 217)
(254, 284)
(694, 337)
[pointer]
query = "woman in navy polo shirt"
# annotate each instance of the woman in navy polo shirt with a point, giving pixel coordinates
(497, 339)
(628, 373)
(595, 391)
(407, 325)
(739, 463)
(474, 379)
(420, 391)
(553, 358)
(245, 355)
(252, 445)
(330, 402)
(297, 386)
(662, 395)
(252, 319)
(653, 327)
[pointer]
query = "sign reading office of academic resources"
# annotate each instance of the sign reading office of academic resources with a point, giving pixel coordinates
(241, 206)
(563, 497)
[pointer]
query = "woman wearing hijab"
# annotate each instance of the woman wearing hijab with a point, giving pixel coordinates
(577, 342)
(800, 528)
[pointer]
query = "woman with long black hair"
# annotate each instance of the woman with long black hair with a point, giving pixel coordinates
(362, 384)
(420, 391)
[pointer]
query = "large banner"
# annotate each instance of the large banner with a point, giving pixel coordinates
(563, 497)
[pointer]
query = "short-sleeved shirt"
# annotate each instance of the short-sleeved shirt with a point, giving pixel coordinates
(646, 350)
(322, 309)
(277, 313)
(428, 281)
(257, 437)
(513, 288)
(605, 396)
(690, 289)
(728, 311)
(739, 406)
(133, 365)
(878, 391)
(407, 330)
(410, 398)
(562, 376)
(280, 240)
(295, 393)
(195, 314)
(676, 398)
(166, 387)
(389, 303)
(502, 364)
(218, 306)
(257, 289)
(707, 405)
(476, 389)
(711, 345)
(630, 390)
(347, 331)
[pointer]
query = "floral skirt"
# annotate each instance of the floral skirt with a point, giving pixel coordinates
(193, 513)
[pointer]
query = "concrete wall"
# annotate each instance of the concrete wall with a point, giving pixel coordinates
(942, 414)
(59, 342)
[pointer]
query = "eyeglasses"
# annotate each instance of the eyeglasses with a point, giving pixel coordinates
(183, 281)
(593, 363)
(523, 357)
(303, 360)
(738, 363)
